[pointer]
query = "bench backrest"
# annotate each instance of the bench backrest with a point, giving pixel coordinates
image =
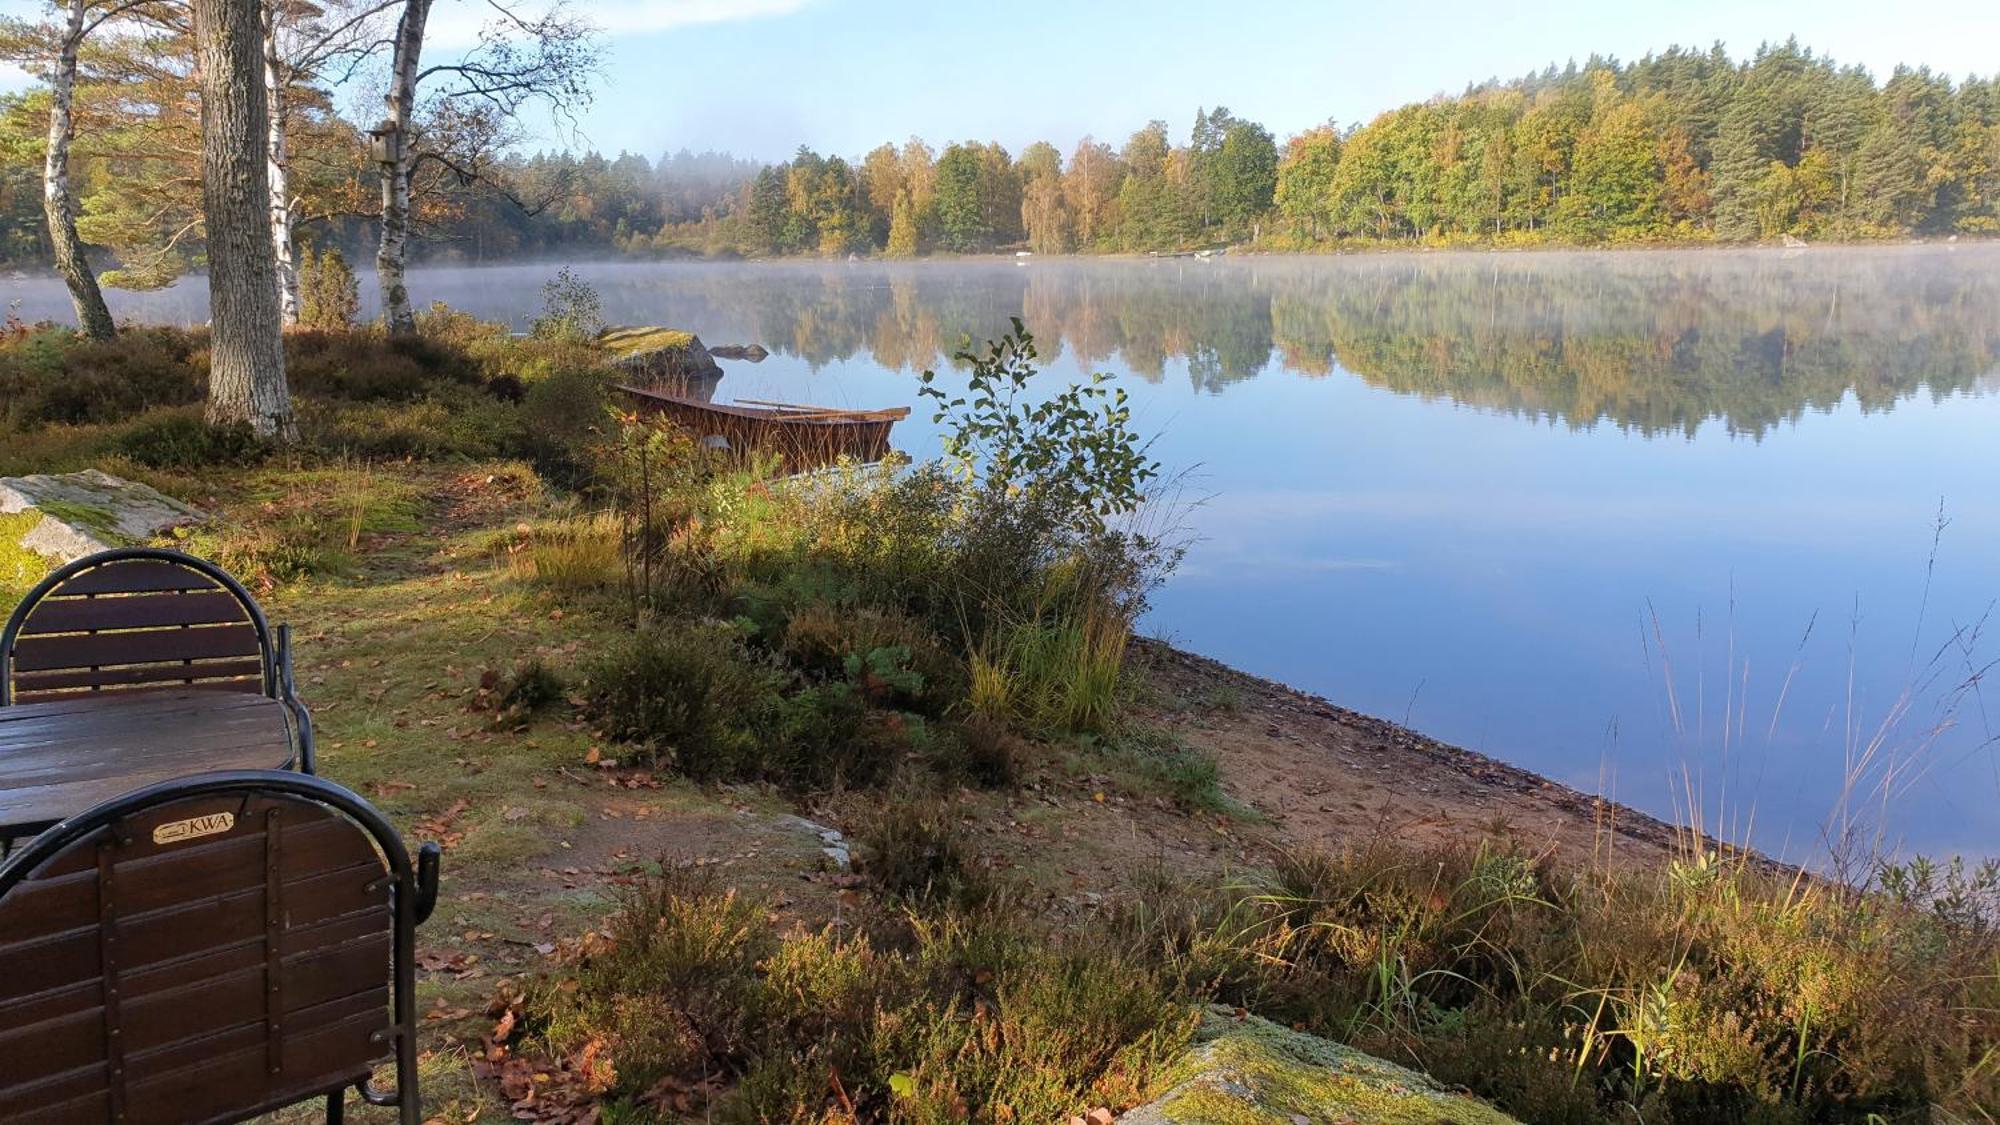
(208, 949)
(134, 619)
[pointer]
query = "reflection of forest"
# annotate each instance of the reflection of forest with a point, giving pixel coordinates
(1658, 342)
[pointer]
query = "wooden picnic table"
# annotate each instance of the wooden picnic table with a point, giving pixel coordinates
(61, 757)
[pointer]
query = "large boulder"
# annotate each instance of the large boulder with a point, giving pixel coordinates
(83, 513)
(1244, 1071)
(660, 355)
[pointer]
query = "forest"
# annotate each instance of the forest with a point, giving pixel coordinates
(1683, 146)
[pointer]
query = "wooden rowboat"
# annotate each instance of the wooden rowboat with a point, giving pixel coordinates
(808, 437)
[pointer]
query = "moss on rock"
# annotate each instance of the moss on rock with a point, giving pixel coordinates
(653, 352)
(628, 341)
(1251, 1071)
(20, 568)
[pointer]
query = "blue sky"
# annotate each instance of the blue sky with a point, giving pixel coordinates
(843, 75)
(760, 77)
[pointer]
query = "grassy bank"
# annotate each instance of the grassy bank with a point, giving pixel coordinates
(612, 671)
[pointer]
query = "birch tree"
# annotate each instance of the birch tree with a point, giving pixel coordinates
(246, 378)
(58, 46)
(302, 42)
(519, 60)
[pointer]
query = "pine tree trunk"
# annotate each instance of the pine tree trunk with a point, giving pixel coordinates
(394, 252)
(278, 155)
(246, 376)
(92, 315)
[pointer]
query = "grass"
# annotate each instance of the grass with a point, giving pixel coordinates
(691, 1002)
(582, 553)
(1154, 762)
(20, 568)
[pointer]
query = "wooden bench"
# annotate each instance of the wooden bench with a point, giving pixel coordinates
(146, 619)
(209, 949)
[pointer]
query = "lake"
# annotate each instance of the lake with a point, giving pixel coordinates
(1662, 525)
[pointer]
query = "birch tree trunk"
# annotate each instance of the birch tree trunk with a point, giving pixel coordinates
(402, 97)
(246, 377)
(92, 316)
(278, 156)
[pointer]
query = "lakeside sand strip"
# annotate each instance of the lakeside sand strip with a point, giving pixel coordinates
(1327, 774)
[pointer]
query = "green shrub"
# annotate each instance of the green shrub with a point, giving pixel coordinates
(571, 310)
(914, 848)
(890, 658)
(1569, 994)
(369, 365)
(530, 686)
(1075, 451)
(676, 986)
(53, 376)
(328, 295)
(689, 696)
(183, 439)
(985, 754)
(562, 415)
(827, 736)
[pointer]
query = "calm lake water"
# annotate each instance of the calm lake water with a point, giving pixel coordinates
(1645, 522)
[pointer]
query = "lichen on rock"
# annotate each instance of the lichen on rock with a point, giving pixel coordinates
(81, 513)
(1250, 1071)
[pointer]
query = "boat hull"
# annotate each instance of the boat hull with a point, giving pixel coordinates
(805, 442)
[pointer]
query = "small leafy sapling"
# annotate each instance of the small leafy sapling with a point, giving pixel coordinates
(1076, 448)
(571, 310)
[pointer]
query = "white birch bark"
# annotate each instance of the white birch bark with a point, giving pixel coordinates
(58, 198)
(278, 156)
(394, 251)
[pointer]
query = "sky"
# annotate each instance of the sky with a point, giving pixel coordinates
(761, 77)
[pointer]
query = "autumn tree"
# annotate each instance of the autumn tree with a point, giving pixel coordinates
(1090, 193)
(1044, 218)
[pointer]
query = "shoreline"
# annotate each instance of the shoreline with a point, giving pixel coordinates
(1359, 250)
(1326, 774)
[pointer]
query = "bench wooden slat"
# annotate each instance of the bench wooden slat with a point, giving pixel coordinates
(138, 576)
(83, 615)
(103, 650)
(242, 675)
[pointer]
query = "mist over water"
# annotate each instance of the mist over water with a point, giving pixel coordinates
(1643, 522)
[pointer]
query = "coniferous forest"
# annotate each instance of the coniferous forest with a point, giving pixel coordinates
(1682, 146)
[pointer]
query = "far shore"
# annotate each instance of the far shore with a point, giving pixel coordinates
(364, 266)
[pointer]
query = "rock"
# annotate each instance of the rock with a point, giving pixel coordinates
(90, 511)
(833, 845)
(755, 353)
(660, 354)
(1252, 1070)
